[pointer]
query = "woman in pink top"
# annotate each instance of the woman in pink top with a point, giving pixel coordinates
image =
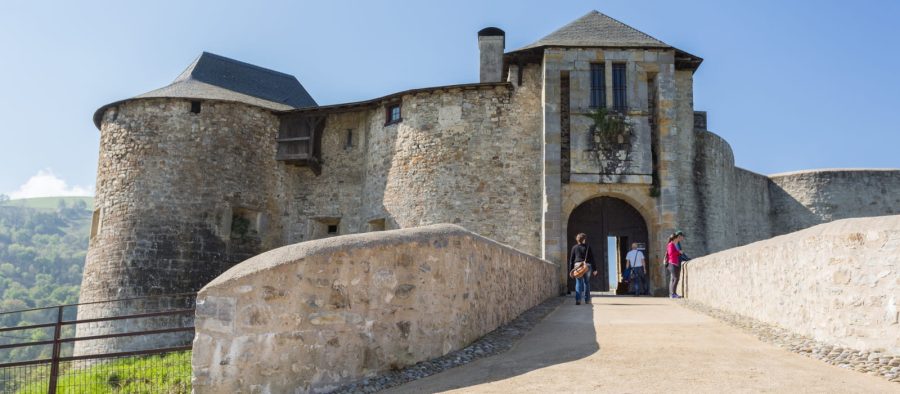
(673, 262)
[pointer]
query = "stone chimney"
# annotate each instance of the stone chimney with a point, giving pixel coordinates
(491, 42)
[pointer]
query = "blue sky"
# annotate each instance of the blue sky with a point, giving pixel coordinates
(791, 85)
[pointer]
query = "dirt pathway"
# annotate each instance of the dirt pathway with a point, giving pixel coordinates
(637, 345)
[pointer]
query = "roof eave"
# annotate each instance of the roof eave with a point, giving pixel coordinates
(683, 60)
(342, 107)
(687, 61)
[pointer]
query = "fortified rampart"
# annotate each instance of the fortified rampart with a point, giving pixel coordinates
(314, 315)
(733, 206)
(838, 283)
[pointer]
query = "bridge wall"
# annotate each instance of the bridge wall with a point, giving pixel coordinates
(838, 282)
(318, 314)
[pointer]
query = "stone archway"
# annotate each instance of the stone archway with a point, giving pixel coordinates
(603, 217)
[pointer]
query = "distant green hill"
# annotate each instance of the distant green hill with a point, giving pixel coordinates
(47, 203)
(43, 243)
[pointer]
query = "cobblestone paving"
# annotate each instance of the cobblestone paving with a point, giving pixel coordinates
(495, 342)
(872, 363)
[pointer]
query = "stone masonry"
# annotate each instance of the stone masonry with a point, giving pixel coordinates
(840, 282)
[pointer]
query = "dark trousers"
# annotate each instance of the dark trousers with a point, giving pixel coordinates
(674, 274)
(638, 281)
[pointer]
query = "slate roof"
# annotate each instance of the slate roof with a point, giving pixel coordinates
(214, 77)
(595, 29)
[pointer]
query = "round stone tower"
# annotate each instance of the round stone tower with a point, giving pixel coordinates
(186, 188)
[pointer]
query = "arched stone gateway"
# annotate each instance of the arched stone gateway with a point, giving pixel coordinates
(601, 218)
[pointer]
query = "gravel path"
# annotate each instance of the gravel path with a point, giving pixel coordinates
(872, 363)
(495, 342)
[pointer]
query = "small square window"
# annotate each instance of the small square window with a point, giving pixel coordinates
(393, 114)
(332, 229)
(195, 107)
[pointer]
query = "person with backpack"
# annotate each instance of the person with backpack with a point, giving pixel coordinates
(638, 277)
(582, 254)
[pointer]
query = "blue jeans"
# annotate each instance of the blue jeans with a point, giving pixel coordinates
(583, 286)
(638, 281)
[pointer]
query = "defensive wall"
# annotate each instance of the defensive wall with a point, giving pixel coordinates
(731, 206)
(838, 282)
(314, 315)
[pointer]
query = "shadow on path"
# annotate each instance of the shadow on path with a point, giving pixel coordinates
(569, 331)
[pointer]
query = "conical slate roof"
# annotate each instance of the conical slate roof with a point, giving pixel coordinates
(214, 77)
(597, 30)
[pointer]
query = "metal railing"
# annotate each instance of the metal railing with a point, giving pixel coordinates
(117, 361)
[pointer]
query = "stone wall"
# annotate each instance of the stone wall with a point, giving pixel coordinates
(802, 199)
(170, 185)
(314, 315)
(838, 283)
(731, 204)
(468, 156)
(727, 206)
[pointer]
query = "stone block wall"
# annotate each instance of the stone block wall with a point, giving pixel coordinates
(314, 315)
(468, 157)
(460, 155)
(837, 282)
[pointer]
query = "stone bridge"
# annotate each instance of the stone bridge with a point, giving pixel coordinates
(769, 316)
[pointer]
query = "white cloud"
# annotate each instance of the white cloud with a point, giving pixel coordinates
(45, 184)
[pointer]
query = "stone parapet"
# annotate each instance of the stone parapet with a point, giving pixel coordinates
(315, 315)
(835, 282)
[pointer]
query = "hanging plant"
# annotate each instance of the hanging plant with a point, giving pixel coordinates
(608, 127)
(610, 139)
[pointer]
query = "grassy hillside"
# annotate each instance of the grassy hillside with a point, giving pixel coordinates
(47, 203)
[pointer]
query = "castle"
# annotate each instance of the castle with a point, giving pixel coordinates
(232, 159)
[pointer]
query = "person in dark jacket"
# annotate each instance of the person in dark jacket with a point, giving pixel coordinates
(582, 252)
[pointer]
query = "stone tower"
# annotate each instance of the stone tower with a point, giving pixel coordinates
(185, 187)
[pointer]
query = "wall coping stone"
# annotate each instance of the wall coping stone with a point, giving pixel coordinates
(292, 253)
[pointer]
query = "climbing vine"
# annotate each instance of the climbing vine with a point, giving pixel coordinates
(610, 138)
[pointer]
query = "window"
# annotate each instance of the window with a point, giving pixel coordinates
(619, 97)
(377, 225)
(95, 222)
(393, 114)
(348, 143)
(195, 107)
(598, 85)
(324, 227)
(245, 223)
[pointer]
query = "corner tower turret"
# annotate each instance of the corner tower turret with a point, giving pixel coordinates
(185, 185)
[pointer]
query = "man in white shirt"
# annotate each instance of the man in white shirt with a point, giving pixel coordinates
(638, 276)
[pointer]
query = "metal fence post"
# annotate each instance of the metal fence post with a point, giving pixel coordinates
(54, 363)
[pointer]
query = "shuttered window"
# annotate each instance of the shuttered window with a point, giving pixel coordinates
(619, 97)
(299, 140)
(598, 85)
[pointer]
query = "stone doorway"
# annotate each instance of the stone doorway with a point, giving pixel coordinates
(601, 218)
